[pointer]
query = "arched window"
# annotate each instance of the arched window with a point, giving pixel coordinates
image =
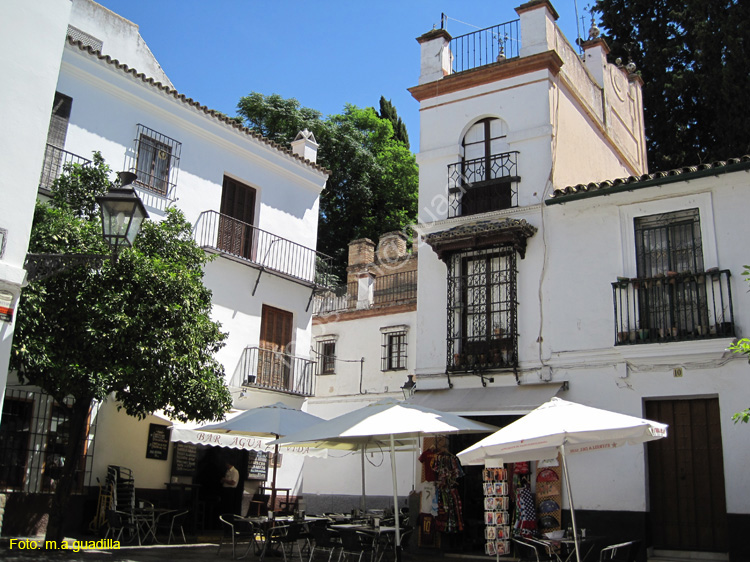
(484, 178)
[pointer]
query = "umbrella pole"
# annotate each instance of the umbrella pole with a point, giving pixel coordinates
(273, 478)
(362, 503)
(397, 544)
(570, 501)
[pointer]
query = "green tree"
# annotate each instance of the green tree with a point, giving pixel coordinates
(742, 346)
(388, 111)
(374, 180)
(692, 56)
(137, 328)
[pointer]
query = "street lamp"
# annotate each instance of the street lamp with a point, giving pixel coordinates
(122, 213)
(409, 387)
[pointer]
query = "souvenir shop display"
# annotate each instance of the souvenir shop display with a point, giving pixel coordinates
(496, 511)
(548, 498)
(440, 497)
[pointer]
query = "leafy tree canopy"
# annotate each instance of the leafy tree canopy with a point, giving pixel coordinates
(692, 56)
(374, 180)
(138, 327)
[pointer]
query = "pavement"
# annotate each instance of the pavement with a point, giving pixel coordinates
(87, 550)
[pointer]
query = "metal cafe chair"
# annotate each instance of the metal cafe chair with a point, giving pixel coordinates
(355, 543)
(324, 539)
(622, 552)
(283, 537)
(534, 550)
(119, 523)
(237, 529)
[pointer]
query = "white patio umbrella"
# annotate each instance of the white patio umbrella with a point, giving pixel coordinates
(567, 428)
(398, 423)
(274, 420)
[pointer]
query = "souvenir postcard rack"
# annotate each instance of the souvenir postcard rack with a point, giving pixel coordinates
(496, 511)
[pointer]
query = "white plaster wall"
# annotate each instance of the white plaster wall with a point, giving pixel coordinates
(341, 472)
(107, 106)
(361, 338)
(26, 99)
(121, 440)
(120, 37)
(590, 245)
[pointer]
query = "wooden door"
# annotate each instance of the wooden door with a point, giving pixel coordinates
(686, 477)
(237, 215)
(274, 363)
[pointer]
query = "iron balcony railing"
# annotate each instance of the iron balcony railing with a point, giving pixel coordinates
(396, 287)
(259, 248)
(674, 307)
(274, 370)
(486, 46)
(336, 299)
(54, 160)
(483, 184)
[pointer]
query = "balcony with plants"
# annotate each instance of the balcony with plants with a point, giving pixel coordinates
(673, 307)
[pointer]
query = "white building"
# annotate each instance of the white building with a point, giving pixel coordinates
(622, 295)
(364, 340)
(251, 201)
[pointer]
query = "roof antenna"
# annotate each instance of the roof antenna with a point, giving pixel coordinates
(578, 28)
(442, 20)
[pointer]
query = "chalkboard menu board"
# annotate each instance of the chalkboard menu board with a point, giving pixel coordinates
(184, 458)
(257, 465)
(158, 442)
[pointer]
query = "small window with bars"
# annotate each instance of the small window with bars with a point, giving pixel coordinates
(393, 356)
(326, 357)
(668, 242)
(157, 159)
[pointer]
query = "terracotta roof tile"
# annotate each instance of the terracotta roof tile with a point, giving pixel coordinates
(560, 195)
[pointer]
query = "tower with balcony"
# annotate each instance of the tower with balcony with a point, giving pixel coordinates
(508, 113)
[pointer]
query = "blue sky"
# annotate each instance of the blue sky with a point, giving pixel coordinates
(325, 53)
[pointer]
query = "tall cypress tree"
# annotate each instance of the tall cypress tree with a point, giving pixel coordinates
(692, 56)
(388, 111)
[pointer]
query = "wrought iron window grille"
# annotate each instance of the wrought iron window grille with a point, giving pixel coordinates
(156, 161)
(482, 331)
(481, 185)
(393, 356)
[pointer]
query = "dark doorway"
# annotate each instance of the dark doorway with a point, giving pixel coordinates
(470, 491)
(686, 477)
(236, 232)
(210, 469)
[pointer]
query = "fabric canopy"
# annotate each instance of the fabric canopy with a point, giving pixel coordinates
(388, 419)
(198, 434)
(539, 434)
(503, 400)
(559, 426)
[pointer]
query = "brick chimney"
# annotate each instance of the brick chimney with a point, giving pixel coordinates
(391, 246)
(361, 252)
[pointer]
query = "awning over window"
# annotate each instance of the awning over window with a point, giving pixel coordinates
(497, 401)
(482, 234)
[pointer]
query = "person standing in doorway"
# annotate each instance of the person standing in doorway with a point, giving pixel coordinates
(228, 488)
